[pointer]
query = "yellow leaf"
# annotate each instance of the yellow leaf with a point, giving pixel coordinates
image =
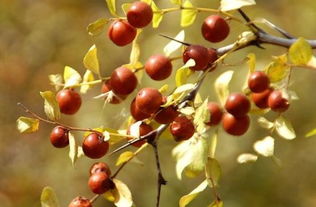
(71, 77)
(278, 69)
(300, 52)
(164, 88)
(135, 53)
(87, 77)
(27, 125)
(202, 116)
(185, 200)
(177, 2)
(123, 196)
(174, 45)
(147, 1)
(112, 7)
(216, 204)
(125, 7)
(311, 133)
(251, 62)
(56, 80)
(284, 128)
(227, 5)
(49, 198)
(91, 61)
(51, 106)
(110, 195)
(265, 147)
(246, 158)
(213, 171)
(221, 85)
(124, 157)
(158, 15)
(188, 15)
(184, 73)
(96, 27)
(73, 148)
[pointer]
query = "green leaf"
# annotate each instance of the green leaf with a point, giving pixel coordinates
(112, 7)
(95, 28)
(91, 61)
(264, 123)
(56, 80)
(174, 45)
(49, 198)
(246, 158)
(71, 77)
(278, 69)
(51, 106)
(27, 125)
(124, 157)
(311, 133)
(265, 147)
(87, 77)
(188, 15)
(221, 86)
(284, 128)
(186, 199)
(177, 2)
(125, 7)
(300, 52)
(158, 15)
(73, 148)
(184, 73)
(227, 5)
(213, 172)
(202, 116)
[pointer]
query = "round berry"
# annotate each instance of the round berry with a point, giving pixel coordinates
(182, 128)
(213, 55)
(237, 104)
(136, 113)
(116, 99)
(199, 54)
(100, 182)
(139, 14)
(148, 100)
(166, 115)
(80, 202)
(69, 101)
(215, 28)
(59, 137)
(261, 99)
(277, 102)
(143, 130)
(121, 32)
(100, 167)
(123, 81)
(258, 82)
(235, 125)
(94, 146)
(158, 67)
(215, 112)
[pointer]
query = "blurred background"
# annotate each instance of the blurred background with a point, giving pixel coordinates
(40, 37)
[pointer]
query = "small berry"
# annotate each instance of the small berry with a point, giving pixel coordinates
(235, 125)
(136, 113)
(182, 128)
(59, 137)
(237, 104)
(94, 146)
(139, 14)
(143, 130)
(258, 82)
(121, 32)
(277, 102)
(116, 99)
(215, 112)
(100, 182)
(123, 81)
(199, 54)
(261, 99)
(80, 202)
(215, 28)
(148, 100)
(100, 167)
(158, 67)
(166, 115)
(69, 101)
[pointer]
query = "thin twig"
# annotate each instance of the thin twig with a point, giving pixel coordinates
(248, 20)
(94, 198)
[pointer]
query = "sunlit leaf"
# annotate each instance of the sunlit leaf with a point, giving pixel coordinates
(125, 7)
(147, 1)
(246, 158)
(265, 147)
(112, 7)
(51, 106)
(187, 110)
(96, 27)
(158, 15)
(300, 52)
(284, 128)
(184, 88)
(227, 5)
(278, 69)
(135, 53)
(264, 123)
(221, 86)
(122, 194)
(73, 148)
(213, 145)
(49, 198)
(164, 88)
(311, 133)
(251, 68)
(87, 77)
(185, 200)
(71, 77)
(177, 2)
(134, 129)
(174, 45)
(27, 125)
(124, 157)
(56, 80)
(184, 72)
(91, 61)
(202, 116)
(188, 15)
(213, 171)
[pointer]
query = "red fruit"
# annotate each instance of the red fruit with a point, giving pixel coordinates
(139, 14)
(69, 101)
(213, 55)
(235, 125)
(123, 81)
(136, 113)
(258, 82)
(237, 104)
(277, 102)
(158, 67)
(215, 28)
(148, 100)
(59, 137)
(199, 54)
(121, 32)
(143, 130)
(182, 128)
(100, 182)
(106, 87)
(166, 115)
(100, 167)
(216, 113)
(94, 146)
(261, 99)
(80, 202)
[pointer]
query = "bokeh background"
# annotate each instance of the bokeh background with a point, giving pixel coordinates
(40, 37)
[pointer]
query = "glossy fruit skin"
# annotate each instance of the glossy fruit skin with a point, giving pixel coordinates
(123, 81)
(277, 102)
(100, 167)
(182, 128)
(94, 146)
(234, 125)
(137, 114)
(215, 112)
(140, 14)
(121, 32)
(200, 55)
(158, 67)
(80, 202)
(59, 137)
(215, 28)
(258, 82)
(166, 115)
(100, 182)
(213, 55)
(261, 99)
(143, 130)
(148, 100)
(106, 87)
(237, 104)
(69, 101)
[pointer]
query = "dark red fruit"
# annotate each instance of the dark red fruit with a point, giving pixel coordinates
(277, 102)
(69, 101)
(94, 146)
(136, 113)
(148, 100)
(100, 167)
(158, 67)
(213, 55)
(258, 82)
(215, 28)
(237, 104)
(80, 202)
(261, 99)
(216, 113)
(235, 126)
(106, 87)
(182, 128)
(59, 137)
(166, 115)
(123, 81)
(139, 14)
(121, 32)
(100, 182)
(199, 54)
(143, 130)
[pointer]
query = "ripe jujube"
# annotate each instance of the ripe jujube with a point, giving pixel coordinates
(258, 82)
(100, 182)
(123, 81)
(166, 115)
(80, 202)
(199, 54)
(59, 137)
(235, 125)
(143, 130)
(182, 128)
(136, 113)
(69, 101)
(215, 112)
(158, 67)
(100, 167)
(94, 146)
(237, 104)
(121, 32)
(261, 99)
(277, 102)
(215, 28)
(148, 100)
(139, 14)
